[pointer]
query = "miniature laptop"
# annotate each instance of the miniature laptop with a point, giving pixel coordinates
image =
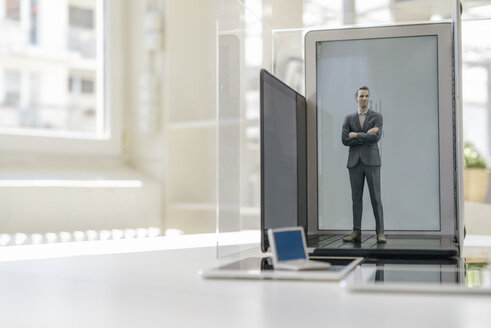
(289, 250)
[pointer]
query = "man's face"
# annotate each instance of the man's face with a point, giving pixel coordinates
(362, 98)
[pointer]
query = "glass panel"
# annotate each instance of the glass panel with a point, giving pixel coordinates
(269, 34)
(244, 47)
(476, 104)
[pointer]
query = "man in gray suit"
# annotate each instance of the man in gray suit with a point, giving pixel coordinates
(361, 132)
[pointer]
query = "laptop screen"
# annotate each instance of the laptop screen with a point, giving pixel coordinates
(283, 156)
(289, 245)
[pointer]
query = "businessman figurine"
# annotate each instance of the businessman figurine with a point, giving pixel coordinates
(361, 132)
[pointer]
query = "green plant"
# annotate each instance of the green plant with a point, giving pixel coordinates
(472, 157)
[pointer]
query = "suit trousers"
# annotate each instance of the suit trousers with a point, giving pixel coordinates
(357, 175)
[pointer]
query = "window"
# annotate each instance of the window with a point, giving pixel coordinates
(33, 31)
(81, 33)
(87, 86)
(81, 17)
(36, 71)
(12, 9)
(81, 85)
(65, 95)
(11, 88)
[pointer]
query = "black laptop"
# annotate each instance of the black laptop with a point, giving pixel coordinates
(284, 195)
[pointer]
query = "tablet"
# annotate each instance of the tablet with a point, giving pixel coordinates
(262, 268)
(473, 279)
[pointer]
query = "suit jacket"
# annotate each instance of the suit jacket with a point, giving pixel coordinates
(365, 146)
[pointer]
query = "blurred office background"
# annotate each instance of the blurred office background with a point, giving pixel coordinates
(108, 109)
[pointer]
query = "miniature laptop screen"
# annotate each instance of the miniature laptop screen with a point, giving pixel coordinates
(289, 245)
(402, 74)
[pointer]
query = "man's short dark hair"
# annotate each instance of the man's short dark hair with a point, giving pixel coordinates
(362, 88)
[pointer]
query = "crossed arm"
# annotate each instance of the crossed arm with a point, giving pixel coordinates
(350, 138)
(352, 135)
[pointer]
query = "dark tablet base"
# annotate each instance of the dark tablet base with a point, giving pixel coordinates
(396, 246)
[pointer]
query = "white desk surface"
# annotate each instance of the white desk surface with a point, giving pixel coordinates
(161, 288)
